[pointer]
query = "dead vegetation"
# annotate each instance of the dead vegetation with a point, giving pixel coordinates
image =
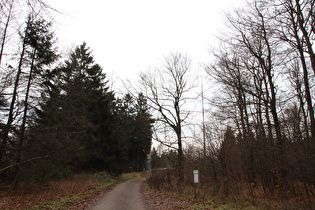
(72, 191)
(214, 196)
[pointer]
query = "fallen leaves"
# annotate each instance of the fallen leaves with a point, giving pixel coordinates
(158, 200)
(73, 193)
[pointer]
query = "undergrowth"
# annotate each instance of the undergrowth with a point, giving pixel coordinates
(74, 200)
(72, 191)
(134, 175)
(211, 197)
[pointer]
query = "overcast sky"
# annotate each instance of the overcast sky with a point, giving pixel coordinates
(129, 36)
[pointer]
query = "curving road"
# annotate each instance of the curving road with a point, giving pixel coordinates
(126, 195)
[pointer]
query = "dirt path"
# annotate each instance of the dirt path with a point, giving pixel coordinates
(126, 195)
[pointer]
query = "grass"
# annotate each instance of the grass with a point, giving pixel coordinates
(62, 194)
(134, 175)
(208, 200)
(64, 202)
(70, 192)
(76, 191)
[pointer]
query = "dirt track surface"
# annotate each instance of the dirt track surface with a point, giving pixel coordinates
(126, 195)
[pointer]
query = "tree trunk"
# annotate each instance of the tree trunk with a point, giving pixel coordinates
(304, 67)
(180, 158)
(23, 126)
(14, 95)
(179, 141)
(266, 103)
(301, 22)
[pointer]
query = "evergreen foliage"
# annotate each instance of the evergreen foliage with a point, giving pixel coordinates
(83, 127)
(65, 120)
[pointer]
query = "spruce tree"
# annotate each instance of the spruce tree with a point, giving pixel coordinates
(70, 121)
(40, 51)
(142, 133)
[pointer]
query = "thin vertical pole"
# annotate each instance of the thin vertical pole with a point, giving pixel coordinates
(203, 120)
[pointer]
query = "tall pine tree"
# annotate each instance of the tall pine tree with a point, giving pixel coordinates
(70, 121)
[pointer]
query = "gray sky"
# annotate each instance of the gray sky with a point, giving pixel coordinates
(129, 36)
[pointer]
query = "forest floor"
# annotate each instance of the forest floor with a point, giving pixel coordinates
(83, 191)
(70, 193)
(80, 192)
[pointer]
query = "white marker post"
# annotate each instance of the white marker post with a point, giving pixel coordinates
(196, 181)
(196, 176)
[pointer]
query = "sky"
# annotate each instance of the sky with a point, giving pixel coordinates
(131, 36)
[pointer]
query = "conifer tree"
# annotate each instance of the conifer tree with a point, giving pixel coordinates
(72, 119)
(40, 51)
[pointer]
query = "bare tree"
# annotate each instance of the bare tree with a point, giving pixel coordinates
(11, 13)
(296, 30)
(14, 96)
(6, 8)
(167, 89)
(248, 67)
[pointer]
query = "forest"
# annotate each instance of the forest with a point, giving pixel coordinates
(258, 133)
(59, 116)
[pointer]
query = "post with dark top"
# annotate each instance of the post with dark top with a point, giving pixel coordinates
(196, 181)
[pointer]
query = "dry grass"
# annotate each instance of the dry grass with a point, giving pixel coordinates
(207, 200)
(211, 197)
(134, 175)
(72, 188)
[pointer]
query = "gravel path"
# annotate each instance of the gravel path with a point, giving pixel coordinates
(131, 194)
(126, 195)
